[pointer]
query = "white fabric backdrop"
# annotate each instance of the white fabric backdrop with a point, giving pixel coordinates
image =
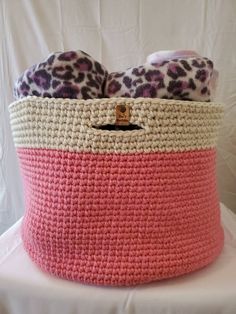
(119, 34)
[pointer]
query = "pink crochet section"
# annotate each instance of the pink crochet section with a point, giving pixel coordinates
(113, 219)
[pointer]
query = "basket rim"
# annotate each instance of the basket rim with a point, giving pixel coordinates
(117, 100)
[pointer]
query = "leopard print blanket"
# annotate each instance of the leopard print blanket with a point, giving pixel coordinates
(191, 78)
(75, 74)
(72, 74)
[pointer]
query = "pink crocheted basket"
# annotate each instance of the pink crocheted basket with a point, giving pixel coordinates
(112, 207)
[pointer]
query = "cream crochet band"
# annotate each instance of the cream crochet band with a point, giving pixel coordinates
(166, 125)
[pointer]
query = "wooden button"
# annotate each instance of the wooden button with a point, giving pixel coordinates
(122, 114)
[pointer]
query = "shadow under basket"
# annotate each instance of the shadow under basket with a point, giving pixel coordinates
(124, 206)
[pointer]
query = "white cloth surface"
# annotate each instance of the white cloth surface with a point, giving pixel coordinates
(24, 289)
(120, 34)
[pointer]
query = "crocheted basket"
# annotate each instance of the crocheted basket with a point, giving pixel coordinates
(112, 207)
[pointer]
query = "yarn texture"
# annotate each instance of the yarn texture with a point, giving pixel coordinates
(118, 208)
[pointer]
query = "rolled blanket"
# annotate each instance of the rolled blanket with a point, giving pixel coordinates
(181, 75)
(72, 74)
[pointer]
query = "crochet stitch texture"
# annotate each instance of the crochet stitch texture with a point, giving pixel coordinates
(118, 207)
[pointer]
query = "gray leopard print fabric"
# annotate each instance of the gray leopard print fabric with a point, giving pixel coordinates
(72, 74)
(184, 78)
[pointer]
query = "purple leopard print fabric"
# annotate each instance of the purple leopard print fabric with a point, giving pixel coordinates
(189, 78)
(72, 74)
